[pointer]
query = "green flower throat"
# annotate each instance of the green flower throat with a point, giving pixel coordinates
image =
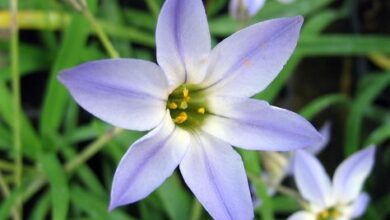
(188, 106)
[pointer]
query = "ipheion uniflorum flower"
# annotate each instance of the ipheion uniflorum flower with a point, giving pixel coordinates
(340, 199)
(196, 104)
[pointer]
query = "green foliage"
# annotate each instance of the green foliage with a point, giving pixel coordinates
(58, 137)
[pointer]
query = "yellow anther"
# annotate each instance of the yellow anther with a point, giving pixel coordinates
(201, 110)
(325, 214)
(183, 105)
(185, 92)
(187, 99)
(172, 105)
(182, 117)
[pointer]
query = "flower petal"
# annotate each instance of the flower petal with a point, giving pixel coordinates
(359, 206)
(246, 62)
(183, 40)
(251, 7)
(351, 173)
(312, 181)
(325, 132)
(122, 92)
(302, 215)
(148, 163)
(255, 125)
(215, 174)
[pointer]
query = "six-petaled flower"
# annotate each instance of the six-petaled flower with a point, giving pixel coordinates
(342, 199)
(196, 101)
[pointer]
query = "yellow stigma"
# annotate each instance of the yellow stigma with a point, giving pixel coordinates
(172, 105)
(324, 214)
(201, 110)
(329, 214)
(181, 118)
(183, 105)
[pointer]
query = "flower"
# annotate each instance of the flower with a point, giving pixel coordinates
(279, 165)
(196, 103)
(341, 199)
(243, 9)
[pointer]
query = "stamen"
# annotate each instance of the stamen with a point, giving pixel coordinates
(181, 118)
(172, 105)
(185, 92)
(183, 105)
(201, 110)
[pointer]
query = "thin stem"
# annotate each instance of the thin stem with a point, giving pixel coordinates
(92, 149)
(72, 165)
(196, 212)
(281, 189)
(16, 100)
(101, 34)
(3, 186)
(5, 191)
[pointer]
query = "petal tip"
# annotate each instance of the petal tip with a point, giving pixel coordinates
(112, 206)
(299, 20)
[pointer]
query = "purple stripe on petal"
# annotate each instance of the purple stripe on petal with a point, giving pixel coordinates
(246, 62)
(121, 92)
(183, 40)
(215, 174)
(254, 124)
(148, 163)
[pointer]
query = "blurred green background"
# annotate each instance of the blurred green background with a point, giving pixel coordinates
(339, 72)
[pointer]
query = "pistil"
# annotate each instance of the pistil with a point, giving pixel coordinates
(185, 111)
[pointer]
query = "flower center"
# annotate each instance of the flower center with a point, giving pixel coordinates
(329, 214)
(187, 106)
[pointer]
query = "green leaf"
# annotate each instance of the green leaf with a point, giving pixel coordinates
(58, 185)
(56, 97)
(41, 208)
(252, 165)
(93, 206)
(365, 97)
(174, 198)
(140, 19)
(84, 173)
(320, 21)
(7, 204)
(285, 204)
(322, 103)
(32, 59)
(29, 138)
(379, 135)
(225, 25)
(343, 44)
(5, 137)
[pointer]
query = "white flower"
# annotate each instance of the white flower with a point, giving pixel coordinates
(340, 200)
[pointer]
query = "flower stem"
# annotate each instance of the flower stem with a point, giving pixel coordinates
(196, 212)
(16, 100)
(3, 186)
(91, 149)
(101, 34)
(72, 165)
